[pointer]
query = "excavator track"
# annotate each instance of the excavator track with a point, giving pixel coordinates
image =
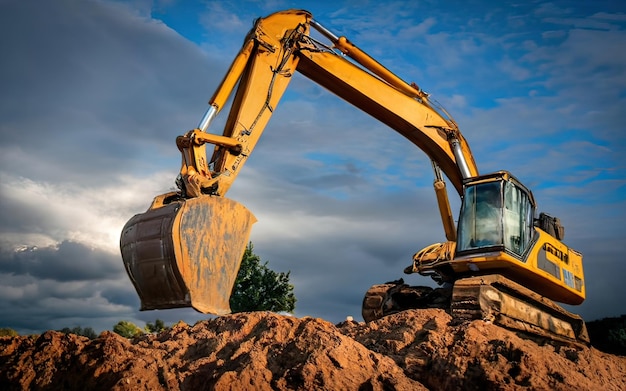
(375, 302)
(395, 296)
(510, 305)
(492, 298)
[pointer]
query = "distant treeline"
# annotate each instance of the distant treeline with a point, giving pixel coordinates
(124, 328)
(609, 335)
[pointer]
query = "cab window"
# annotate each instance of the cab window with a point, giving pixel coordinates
(480, 223)
(517, 218)
(495, 214)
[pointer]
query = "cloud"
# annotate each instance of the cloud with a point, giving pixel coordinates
(59, 211)
(68, 261)
(220, 20)
(80, 92)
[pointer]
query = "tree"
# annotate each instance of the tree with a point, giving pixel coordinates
(155, 327)
(258, 288)
(7, 332)
(85, 332)
(127, 329)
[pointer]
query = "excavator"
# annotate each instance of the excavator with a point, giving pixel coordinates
(502, 262)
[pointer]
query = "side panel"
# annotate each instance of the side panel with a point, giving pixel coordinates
(558, 277)
(148, 254)
(561, 265)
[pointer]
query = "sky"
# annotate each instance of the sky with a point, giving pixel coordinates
(93, 94)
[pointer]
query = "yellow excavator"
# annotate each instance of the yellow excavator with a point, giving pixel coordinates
(501, 263)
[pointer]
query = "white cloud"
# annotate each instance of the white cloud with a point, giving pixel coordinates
(69, 211)
(224, 21)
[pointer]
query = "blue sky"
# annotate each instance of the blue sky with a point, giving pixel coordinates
(95, 92)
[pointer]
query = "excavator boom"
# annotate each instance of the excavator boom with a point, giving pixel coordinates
(280, 45)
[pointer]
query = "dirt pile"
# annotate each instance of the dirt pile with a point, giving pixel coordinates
(413, 350)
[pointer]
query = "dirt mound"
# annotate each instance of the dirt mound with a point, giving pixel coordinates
(413, 350)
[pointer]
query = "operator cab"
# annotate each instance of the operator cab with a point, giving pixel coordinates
(496, 215)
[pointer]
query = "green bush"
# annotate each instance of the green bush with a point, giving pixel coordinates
(127, 329)
(85, 332)
(7, 332)
(156, 327)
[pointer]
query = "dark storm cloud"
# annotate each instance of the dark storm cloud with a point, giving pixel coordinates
(122, 294)
(78, 73)
(66, 262)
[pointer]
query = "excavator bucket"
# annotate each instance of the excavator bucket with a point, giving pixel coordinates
(186, 252)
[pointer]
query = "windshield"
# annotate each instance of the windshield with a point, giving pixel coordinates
(495, 216)
(480, 223)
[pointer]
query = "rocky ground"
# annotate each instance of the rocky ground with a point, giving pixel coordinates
(413, 350)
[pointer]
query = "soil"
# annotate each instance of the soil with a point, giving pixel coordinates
(412, 350)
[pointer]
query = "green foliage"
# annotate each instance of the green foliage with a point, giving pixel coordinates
(127, 329)
(7, 332)
(85, 332)
(618, 337)
(609, 335)
(156, 327)
(258, 288)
